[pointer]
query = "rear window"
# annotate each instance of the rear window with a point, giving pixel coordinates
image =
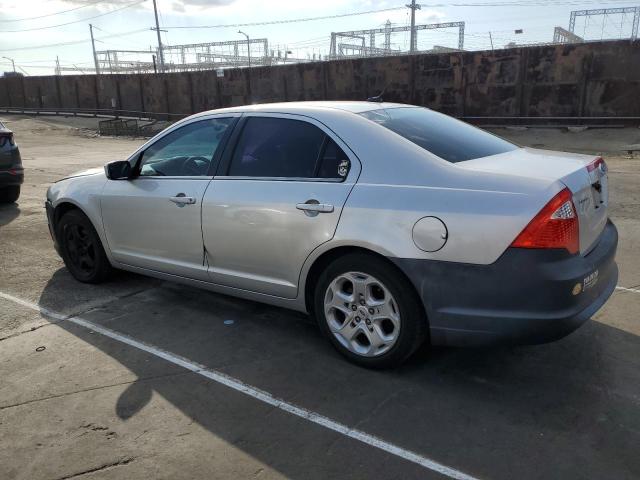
(446, 137)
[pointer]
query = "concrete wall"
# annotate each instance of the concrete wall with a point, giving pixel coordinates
(594, 79)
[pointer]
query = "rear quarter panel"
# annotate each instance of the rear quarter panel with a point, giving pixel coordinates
(481, 224)
(401, 183)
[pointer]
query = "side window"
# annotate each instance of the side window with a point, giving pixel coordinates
(185, 152)
(277, 147)
(334, 163)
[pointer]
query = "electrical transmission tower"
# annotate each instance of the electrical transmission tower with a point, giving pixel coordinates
(605, 13)
(560, 35)
(354, 42)
(413, 42)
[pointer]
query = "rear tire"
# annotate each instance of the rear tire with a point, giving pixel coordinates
(81, 248)
(9, 194)
(370, 311)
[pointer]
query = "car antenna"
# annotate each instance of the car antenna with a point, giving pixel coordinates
(378, 98)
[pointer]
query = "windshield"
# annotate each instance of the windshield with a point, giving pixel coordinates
(446, 137)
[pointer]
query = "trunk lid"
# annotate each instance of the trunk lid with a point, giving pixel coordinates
(589, 186)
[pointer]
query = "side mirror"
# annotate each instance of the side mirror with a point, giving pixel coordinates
(118, 170)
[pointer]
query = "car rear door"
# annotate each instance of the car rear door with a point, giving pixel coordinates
(153, 221)
(278, 195)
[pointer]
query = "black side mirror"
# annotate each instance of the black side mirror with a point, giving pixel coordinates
(118, 170)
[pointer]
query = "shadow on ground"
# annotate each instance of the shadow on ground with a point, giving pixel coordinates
(566, 410)
(8, 213)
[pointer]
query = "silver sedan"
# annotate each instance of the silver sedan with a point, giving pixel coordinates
(391, 224)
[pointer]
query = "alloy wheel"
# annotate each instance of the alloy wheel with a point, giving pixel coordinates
(362, 314)
(80, 248)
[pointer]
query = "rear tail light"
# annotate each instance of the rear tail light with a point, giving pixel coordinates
(556, 226)
(6, 137)
(597, 163)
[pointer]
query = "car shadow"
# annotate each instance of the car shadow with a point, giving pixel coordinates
(567, 409)
(8, 213)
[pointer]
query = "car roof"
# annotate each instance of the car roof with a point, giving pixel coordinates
(311, 106)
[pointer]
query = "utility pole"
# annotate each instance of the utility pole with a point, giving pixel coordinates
(491, 40)
(248, 47)
(93, 46)
(58, 72)
(12, 63)
(157, 29)
(413, 40)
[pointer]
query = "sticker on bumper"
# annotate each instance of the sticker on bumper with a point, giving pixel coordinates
(590, 281)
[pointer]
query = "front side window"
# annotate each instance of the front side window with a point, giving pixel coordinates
(446, 137)
(187, 151)
(277, 147)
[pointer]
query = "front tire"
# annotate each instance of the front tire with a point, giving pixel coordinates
(369, 311)
(9, 194)
(81, 248)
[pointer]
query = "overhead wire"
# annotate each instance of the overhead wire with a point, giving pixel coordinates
(290, 20)
(133, 4)
(51, 14)
(72, 42)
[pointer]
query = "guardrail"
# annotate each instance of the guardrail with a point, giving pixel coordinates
(97, 112)
(484, 121)
(560, 121)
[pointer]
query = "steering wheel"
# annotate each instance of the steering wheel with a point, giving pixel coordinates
(191, 168)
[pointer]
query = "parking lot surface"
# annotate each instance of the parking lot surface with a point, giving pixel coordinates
(139, 378)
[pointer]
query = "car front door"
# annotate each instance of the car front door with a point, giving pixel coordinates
(153, 220)
(278, 194)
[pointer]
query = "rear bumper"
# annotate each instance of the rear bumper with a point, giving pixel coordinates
(11, 171)
(13, 176)
(527, 296)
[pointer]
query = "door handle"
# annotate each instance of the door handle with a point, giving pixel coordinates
(181, 200)
(315, 207)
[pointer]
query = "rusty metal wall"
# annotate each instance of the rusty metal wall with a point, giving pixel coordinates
(592, 79)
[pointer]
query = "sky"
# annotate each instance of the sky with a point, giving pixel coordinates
(62, 29)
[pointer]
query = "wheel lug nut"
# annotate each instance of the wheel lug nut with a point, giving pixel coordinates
(367, 321)
(371, 311)
(357, 319)
(362, 302)
(354, 307)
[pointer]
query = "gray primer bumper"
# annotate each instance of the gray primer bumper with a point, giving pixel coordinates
(525, 297)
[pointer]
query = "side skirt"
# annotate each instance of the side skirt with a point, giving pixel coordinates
(296, 304)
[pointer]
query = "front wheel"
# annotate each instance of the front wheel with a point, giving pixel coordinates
(81, 248)
(369, 311)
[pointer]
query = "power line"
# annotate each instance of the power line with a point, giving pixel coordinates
(534, 3)
(75, 21)
(291, 20)
(51, 14)
(73, 42)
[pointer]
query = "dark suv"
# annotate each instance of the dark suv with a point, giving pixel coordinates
(11, 171)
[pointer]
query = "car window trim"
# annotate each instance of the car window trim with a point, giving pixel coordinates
(136, 157)
(217, 155)
(214, 156)
(283, 179)
(225, 164)
(321, 151)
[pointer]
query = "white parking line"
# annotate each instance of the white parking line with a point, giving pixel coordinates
(624, 289)
(254, 392)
